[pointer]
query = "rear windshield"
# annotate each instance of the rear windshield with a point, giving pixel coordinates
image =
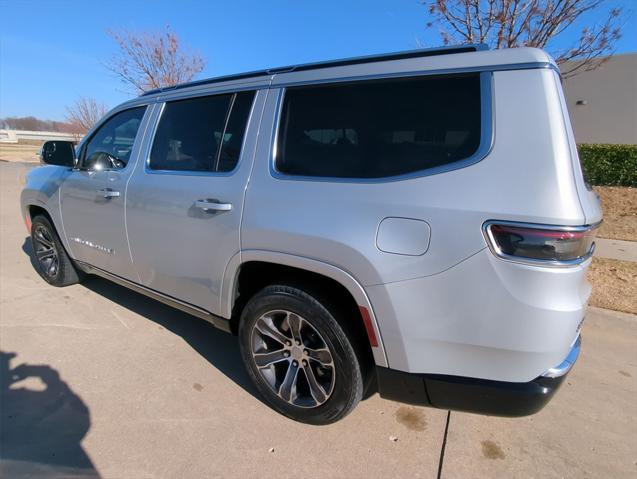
(376, 129)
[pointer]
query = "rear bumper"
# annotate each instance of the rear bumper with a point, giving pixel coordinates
(494, 398)
(483, 318)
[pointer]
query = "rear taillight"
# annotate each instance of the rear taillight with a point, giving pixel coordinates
(540, 244)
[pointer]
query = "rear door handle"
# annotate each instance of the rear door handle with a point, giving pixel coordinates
(208, 205)
(109, 193)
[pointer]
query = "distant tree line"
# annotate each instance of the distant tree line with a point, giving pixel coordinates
(32, 123)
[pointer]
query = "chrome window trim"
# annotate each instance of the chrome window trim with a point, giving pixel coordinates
(150, 171)
(491, 243)
(487, 132)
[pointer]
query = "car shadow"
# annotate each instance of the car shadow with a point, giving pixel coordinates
(27, 247)
(42, 423)
(219, 348)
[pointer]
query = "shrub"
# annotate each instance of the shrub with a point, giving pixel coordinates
(609, 165)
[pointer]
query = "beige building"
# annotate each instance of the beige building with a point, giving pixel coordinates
(603, 103)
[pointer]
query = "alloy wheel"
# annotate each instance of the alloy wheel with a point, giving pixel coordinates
(293, 358)
(46, 251)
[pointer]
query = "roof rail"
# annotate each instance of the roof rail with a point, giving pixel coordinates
(419, 53)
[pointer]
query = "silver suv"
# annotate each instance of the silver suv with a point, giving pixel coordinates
(414, 223)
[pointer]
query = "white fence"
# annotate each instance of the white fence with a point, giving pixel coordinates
(13, 136)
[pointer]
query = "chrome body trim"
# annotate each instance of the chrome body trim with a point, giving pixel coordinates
(566, 365)
(487, 120)
(217, 321)
(495, 249)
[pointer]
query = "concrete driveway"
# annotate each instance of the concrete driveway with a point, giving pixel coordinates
(98, 381)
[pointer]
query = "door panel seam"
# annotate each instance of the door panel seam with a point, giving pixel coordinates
(142, 150)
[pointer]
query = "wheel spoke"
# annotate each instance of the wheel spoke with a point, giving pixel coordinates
(268, 329)
(322, 356)
(264, 360)
(45, 254)
(294, 322)
(285, 390)
(316, 390)
(39, 235)
(299, 345)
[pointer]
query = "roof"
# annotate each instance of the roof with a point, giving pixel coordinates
(419, 53)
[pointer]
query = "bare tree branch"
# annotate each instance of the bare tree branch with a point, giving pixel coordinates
(83, 114)
(534, 23)
(152, 60)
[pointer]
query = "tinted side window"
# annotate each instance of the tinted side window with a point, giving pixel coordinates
(189, 134)
(201, 134)
(235, 130)
(375, 129)
(112, 143)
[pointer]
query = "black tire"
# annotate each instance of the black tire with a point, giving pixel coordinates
(50, 258)
(347, 386)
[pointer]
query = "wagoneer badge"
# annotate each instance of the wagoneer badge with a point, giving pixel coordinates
(90, 244)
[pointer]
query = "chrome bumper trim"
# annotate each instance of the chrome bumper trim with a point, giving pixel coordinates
(567, 364)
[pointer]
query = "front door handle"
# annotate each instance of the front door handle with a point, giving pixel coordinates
(109, 193)
(208, 205)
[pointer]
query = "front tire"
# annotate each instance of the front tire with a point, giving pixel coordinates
(51, 260)
(298, 356)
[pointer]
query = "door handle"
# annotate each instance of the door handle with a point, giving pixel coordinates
(109, 193)
(212, 206)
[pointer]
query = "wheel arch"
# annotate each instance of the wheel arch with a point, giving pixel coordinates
(33, 209)
(276, 266)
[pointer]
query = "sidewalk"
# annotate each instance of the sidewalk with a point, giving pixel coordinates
(616, 249)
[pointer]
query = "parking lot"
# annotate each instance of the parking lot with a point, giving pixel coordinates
(100, 381)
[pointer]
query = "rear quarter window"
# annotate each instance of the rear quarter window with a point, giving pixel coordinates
(379, 129)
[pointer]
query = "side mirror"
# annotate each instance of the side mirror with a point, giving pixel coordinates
(58, 152)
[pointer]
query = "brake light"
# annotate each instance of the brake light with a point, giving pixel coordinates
(550, 245)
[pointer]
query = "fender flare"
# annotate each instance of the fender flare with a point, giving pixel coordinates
(344, 278)
(55, 219)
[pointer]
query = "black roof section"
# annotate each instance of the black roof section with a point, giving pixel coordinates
(424, 52)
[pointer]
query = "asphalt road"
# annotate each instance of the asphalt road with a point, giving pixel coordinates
(98, 381)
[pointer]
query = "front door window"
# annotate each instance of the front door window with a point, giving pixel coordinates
(111, 145)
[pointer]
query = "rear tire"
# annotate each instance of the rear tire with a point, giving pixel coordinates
(298, 356)
(51, 260)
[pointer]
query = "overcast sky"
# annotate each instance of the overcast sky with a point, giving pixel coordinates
(52, 51)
